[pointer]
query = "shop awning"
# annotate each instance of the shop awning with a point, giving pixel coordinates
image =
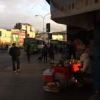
(78, 13)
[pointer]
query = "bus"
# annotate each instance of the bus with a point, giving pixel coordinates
(55, 42)
(62, 42)
(36, 44)
(58, 43)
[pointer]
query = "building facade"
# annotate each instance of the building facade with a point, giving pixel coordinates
(27, 28)
(59, 36)
(52, 36)
(17, 37)
(5, 36)
(17, 34)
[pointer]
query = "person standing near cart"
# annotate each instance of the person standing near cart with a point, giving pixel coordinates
(51, 51)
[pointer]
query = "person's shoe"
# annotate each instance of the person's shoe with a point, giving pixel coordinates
(18, 70)
(14, 71)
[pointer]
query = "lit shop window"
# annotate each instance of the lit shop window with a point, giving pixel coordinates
(3, 35)
(15, 36)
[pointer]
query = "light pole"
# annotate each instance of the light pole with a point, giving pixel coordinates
(43, 17)
(0, 38)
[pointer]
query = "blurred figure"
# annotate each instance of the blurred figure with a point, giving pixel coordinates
(15, 53)
(72, 49)
(60, 48)
(56, 48)
(63, 53)
(45, 52)
(9, 47)
(51, 52)
(67, 51)
(28, 50)
(86, 69)
(3, 47)
(6, 47)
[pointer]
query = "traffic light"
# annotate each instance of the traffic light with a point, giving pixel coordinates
(48, 27)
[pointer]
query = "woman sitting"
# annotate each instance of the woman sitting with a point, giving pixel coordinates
(86, 69)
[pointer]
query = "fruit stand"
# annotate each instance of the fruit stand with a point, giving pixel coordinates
(67, 68)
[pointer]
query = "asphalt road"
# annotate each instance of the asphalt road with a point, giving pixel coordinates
(5, 59)
(28, 84)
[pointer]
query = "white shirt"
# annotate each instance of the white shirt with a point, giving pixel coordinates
(87, 64)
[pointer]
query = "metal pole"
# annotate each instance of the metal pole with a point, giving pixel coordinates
(48, 38)
(43, 25)
(96, 67)
(43, 20)
(0, 40)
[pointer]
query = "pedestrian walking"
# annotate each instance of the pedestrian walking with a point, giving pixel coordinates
(63, 53)
(45, 52)
(51, 51)
(28, 50)
(15, 53)
(56, 48)
(6, 47)
(3, 47)
(71, 49)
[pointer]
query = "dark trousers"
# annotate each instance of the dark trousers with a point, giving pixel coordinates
(80, 75)
(52, 57)
(15, 60)
(45, 57)
(28, 56)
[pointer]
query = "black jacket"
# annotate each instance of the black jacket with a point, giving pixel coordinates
(14, 51)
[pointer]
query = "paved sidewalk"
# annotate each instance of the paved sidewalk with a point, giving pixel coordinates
(95, 97)
(28, 85)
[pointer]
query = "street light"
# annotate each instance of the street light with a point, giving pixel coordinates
(0, 37)
(43, 17)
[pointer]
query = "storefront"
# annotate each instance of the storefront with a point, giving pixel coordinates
(83, 14)
(5, 36)
(18, 37)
